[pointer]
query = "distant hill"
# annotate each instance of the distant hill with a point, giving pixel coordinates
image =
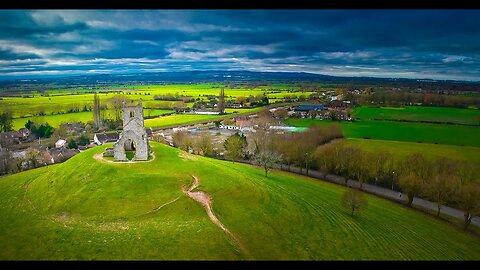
(229, 77)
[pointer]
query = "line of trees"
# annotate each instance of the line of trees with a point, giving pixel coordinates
(381, 96)
(443, 181)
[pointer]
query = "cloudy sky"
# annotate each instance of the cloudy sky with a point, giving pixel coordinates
(437, 44)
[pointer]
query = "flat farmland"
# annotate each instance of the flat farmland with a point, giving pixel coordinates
(402, 131)
(57, 119)
(56, 107)
(420, 113)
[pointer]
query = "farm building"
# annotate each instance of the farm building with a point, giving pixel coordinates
(308, 107)
(10, 137)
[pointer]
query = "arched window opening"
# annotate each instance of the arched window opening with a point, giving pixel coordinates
(132, 114)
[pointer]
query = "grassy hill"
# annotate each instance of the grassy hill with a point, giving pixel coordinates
(91, 209)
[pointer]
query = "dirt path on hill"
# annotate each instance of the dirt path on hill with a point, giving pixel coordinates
(205, 200)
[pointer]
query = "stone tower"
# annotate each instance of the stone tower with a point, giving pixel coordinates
(133, 136)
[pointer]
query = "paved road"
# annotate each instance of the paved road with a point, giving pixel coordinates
(381, 191)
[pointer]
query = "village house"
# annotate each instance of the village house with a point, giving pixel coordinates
(75, 128)
(56, 155)
(60, 143)
(10, 138)
(102, 138)
(304, 110)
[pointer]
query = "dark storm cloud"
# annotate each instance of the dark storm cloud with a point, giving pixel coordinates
(442, 44)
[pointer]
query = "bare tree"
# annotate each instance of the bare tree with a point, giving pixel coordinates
(203, 144)
(280, 113)
(261, 138)
(439, 189)
(116, 103)
(182, 140)
(267, 159)
(354, 200)
(467, 199)
(412, 184)
(59, 133)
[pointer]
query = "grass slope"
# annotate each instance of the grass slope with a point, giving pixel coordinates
(401, 131)
(419, 113)
(90, 209)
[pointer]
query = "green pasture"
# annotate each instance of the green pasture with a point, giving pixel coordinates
(420, 113)
(402, 131)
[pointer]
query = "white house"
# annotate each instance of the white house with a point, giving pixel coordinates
(102, 138)
(60, 143)
(229, 127)
(208, 113)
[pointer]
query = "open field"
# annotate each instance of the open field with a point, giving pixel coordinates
(56, 120)
(432, 151)
(138, 211)
(60, 102)
(420, 113)
(401, 131)
(22, 107)
(182, 119)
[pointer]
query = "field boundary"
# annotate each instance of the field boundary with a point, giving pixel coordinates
(419, 121)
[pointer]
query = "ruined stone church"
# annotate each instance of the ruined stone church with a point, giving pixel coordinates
(133, 136)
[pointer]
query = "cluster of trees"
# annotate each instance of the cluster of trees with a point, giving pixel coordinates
(299, 148)
(293, 97)
(43, 130)
(399, 98)
(173, 97)
(258, 100)
(201, 145)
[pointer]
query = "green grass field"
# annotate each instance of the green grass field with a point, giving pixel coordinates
(432, 151)
(420, 113)
(89, 209)
(160, 121)
(401, 131)
(24, 107)
(183, 119)
(56, 120)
